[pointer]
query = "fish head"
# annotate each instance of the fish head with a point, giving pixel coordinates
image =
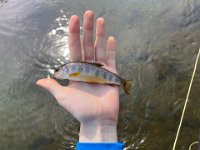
(62, 72)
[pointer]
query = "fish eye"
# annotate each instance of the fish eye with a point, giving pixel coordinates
(56, 70)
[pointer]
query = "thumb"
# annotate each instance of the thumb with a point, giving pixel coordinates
(51, 85)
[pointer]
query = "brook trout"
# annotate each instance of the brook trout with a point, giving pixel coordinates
(92, 73)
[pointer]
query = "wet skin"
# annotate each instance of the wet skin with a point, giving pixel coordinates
(95, 106)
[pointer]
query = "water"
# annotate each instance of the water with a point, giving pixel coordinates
(157, 45)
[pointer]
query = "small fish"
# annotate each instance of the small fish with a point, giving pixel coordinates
(90, 72)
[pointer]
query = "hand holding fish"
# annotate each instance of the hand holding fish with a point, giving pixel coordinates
(96, 106)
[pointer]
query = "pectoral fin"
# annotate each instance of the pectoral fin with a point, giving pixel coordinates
(76, 74)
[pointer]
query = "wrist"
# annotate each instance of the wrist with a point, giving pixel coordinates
(103, 131)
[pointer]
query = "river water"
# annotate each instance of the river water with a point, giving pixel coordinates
(158, 41)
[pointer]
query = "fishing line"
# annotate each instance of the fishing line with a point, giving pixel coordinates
(196, 142)
(186, 101)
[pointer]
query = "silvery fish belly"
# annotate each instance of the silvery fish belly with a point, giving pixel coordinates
(91, 73)
(87, 72)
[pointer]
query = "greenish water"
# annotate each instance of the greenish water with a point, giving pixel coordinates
(158, 42)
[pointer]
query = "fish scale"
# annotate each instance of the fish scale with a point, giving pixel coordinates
(91, 73)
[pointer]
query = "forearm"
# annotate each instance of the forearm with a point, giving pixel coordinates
(105, 131)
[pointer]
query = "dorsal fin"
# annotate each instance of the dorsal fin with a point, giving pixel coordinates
(95, 64)
(91, 63)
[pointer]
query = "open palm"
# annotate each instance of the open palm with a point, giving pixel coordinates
(88, 102)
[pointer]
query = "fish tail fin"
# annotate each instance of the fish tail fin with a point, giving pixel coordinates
(126, 85)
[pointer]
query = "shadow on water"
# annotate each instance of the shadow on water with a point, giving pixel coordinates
(157, 46)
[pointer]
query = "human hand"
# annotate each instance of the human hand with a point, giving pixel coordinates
(95, 106)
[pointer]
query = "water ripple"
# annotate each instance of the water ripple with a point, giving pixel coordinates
(3, 3)
(158, 44)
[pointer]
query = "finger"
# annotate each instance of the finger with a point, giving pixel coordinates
(111, 48)
(88, 46)
(52, 86)
(100, 51)
(74, 39)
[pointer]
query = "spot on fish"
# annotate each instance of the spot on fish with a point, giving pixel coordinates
(73, 68)
(116, 80)
(101, 73)
(92, 68)
(97, 73)
(110, 77)
(87, 69)
(80, 69)
(105, 75)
